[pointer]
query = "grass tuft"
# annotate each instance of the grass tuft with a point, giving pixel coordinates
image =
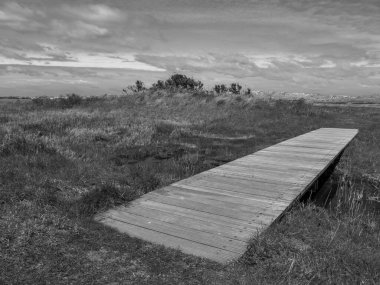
(18, 144)
(101, 198)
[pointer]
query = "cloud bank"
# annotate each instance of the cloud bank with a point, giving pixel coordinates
(330, 47)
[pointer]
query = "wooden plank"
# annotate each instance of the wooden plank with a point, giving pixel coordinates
(176, 230)
(213, 214)
(213, 218)
(312, 141)
(270, 172)
(184, 245)
(217, 208)
(290, 157)
(242, 186)
(278, 199)
(301, 155)
(315, 146)
(277, 165)
(270, 161)
(301, 149)
(259, 176)
(221, 229)
(296, 157)
(291, 175)
(218, 199)
(236, 197)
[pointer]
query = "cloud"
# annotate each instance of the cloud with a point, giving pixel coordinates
(19, 17)
(12, 11)
(81, 60)
(94, 12)
(288, 71)
(76, 30)
(267, 43)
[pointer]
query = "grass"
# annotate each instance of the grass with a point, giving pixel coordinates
(63, 160)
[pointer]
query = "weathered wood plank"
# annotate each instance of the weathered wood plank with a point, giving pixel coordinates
(227, 195)
(218, 208)
(213, 214)
(214, 218)
(288, 175)
(186, 246)
(256, 188)
(219, 200)
(177, 230)
(228, 230)
(259, 176)
(263, 162)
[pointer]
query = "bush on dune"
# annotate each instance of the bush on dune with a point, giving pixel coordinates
(178, 81)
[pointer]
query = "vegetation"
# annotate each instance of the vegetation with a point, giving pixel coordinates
(220, 89)
(175, 82)
(138, 87)
(63, 160)
(235, 88)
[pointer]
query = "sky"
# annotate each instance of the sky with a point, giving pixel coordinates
(90, 47)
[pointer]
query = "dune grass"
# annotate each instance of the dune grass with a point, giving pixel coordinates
(63, 160)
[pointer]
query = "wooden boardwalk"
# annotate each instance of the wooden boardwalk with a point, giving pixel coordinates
(213, 214)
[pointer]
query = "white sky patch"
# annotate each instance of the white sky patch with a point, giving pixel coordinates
(365, 63)
(299, 58)
(262, 63)
(97, 12)
(328, 64)
(86, 60)
(266, 61)
(60, 80)
(38, 55)
(5, 16)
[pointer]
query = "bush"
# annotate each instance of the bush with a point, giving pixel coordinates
(66, 102)
(184, 82)
(235, 88)
(70, 100)
(41, 101)
(160, 85)
(138, 87)
(220, 89)
(217, 89)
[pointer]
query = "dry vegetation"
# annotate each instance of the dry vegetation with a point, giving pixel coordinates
(63, 160)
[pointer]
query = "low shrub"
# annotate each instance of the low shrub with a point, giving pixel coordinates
(68, 101)
(235, 88)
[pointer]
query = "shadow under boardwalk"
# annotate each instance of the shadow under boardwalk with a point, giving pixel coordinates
(214, 214)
